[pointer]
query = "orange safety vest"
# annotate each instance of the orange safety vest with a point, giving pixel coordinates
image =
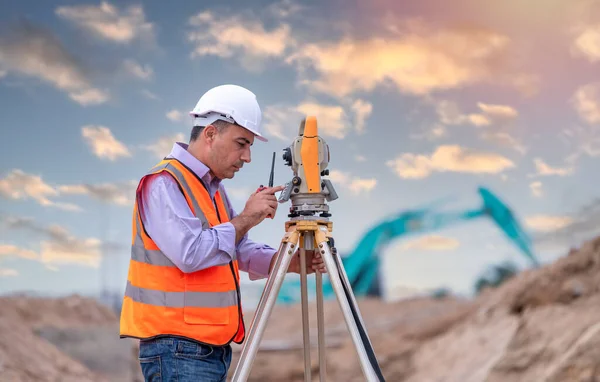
(160, 299)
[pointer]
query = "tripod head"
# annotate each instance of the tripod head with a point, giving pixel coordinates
(308, 156)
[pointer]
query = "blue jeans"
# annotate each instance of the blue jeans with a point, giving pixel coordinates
(173, 359)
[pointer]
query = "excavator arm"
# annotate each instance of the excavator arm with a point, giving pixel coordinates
(362, 265)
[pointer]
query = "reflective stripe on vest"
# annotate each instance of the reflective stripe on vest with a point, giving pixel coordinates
(160, 299)
(181, 299)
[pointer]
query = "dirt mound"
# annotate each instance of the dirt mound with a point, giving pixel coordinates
(63, 312)
(541, 325)
(395, 329)
(58, 339)
(25, 357)
(573, 276)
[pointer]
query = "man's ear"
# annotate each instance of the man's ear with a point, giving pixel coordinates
(210, 132)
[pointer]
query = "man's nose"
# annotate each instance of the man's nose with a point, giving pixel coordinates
(246, 156)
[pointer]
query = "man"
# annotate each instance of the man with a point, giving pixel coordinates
(182, 298)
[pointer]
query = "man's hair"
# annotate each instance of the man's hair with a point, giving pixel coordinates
(197, 130)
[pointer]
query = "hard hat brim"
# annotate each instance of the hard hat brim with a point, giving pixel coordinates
(205, 120)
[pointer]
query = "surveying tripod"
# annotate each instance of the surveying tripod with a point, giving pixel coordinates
(308, 231)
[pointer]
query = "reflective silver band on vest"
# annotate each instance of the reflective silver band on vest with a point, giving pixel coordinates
(197, 210)
(181, 299)
(151, 256)
(147, 256)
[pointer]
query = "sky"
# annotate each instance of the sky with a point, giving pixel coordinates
(418, 102)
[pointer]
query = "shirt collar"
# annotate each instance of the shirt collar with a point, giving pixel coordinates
(179, 152)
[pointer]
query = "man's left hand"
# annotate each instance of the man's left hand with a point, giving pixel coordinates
(314, 262)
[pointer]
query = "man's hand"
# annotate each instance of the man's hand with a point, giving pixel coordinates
(314, 262)
(260, 205)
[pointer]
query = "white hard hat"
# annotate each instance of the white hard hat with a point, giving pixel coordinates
(231, 103)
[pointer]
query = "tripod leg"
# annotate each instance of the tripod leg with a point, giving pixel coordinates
(349, 313)
(309, 245)
(354, 307)
(321, 327)
(265, 305)
(304, 239)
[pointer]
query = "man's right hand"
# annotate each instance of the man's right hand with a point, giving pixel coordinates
(260, 205)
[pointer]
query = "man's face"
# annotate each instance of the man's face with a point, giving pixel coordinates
(230, 149)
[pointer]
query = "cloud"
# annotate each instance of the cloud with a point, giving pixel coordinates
(587, 43)
(536, 189)
(283, 121)
(12, 250)
(18, 185)
(148, 94)
(498, 113)
(504, 139)
(284, 9)
(334, 121)
(418, 60)
(543, 169)
(448, 158)
(137, 70)
(415, 58)
(574, 228)
(491, 114)
(62, 248)
(164, 145)
(8, 272)
(109, 23)
(585, 32)
(494, 119)
(57, 245)
(362, 110)
(356, 185)
(37, 53)
(237, 36)
(175, 115)
(432, 243)
(547, 222)
(432, 133)
(103, 143)
(122, 194)
(586, 101)
(583, 141)
(89, 97)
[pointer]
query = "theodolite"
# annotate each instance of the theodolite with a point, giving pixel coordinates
(309, 229)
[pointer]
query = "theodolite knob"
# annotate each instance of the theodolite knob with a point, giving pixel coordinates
(287, 156)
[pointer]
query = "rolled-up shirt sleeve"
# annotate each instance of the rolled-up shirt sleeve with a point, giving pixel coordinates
(179, 234)
(254, 258)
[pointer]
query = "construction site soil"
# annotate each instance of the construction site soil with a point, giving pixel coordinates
(541, 325)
